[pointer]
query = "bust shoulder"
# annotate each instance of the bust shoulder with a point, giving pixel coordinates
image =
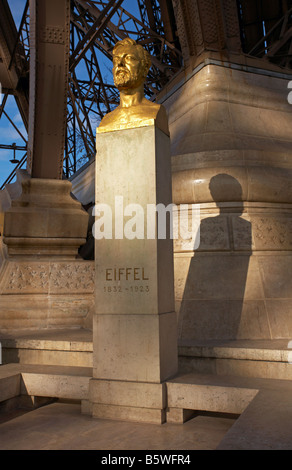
(144, 114)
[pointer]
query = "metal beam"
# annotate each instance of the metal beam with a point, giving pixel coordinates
(13, 66)
(95, 30)
(280, 43)
(16, 44)
(12, 175)
(12, 147)
(49, 62)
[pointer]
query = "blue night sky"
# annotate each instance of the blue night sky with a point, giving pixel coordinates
(7, 133)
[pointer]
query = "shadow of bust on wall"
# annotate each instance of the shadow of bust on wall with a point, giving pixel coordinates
(213, 297)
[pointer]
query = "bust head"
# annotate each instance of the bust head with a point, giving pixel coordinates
(131, 63)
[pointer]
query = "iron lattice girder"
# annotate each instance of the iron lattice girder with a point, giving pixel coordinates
(14, 58)
(167, 60)
(266, 30)
(93, 31)
(89, 97)
(96, 26)
(159, 16)
(276, 45)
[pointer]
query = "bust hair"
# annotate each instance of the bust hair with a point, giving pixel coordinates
(145, 56)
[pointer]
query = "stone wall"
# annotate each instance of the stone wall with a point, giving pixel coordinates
(231, 155)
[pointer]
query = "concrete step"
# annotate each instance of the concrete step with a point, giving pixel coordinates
(64, 347)
(62, 382)
(73, 347)
(259, 358)
(10, 380)
(263, 406)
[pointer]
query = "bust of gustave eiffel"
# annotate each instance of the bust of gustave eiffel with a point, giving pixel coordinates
(131, 63)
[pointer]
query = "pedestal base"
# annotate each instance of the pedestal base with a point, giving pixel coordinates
(42, 282)
(124, 413)
(128, 401)
(45, 293)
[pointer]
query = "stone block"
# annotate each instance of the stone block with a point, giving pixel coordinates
(131, 394)
(134, 275)
(223, 319)
(135, 347)
(44, 219)
(178, 415)
(125, 413)
(209, 398)
(46, 293)
(276, 272)
(280, 318)
(9, 386)
(46, 384)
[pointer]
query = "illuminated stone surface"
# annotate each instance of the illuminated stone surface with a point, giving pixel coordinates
(134, 326)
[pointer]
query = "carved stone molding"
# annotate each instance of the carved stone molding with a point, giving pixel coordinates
(255, 230)
(72, 277)
(31, 277)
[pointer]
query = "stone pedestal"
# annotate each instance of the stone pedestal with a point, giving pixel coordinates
(43, 284)
(134, 327)
(42, 218)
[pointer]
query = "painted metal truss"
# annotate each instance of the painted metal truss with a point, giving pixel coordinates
(95, 28)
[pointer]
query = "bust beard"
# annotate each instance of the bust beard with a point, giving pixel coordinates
(124, 79)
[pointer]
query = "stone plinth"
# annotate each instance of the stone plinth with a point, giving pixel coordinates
(46, 293)
(43, 283)
(134, 327)
(43, 218)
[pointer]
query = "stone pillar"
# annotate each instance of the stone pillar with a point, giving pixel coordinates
(41, 217)
(230, 127)
(49, 66)
(134, 327)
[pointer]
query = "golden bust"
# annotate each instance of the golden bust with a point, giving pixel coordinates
(131, 64)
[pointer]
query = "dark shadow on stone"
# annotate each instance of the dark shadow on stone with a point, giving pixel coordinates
(86, 251)
(213, 299)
